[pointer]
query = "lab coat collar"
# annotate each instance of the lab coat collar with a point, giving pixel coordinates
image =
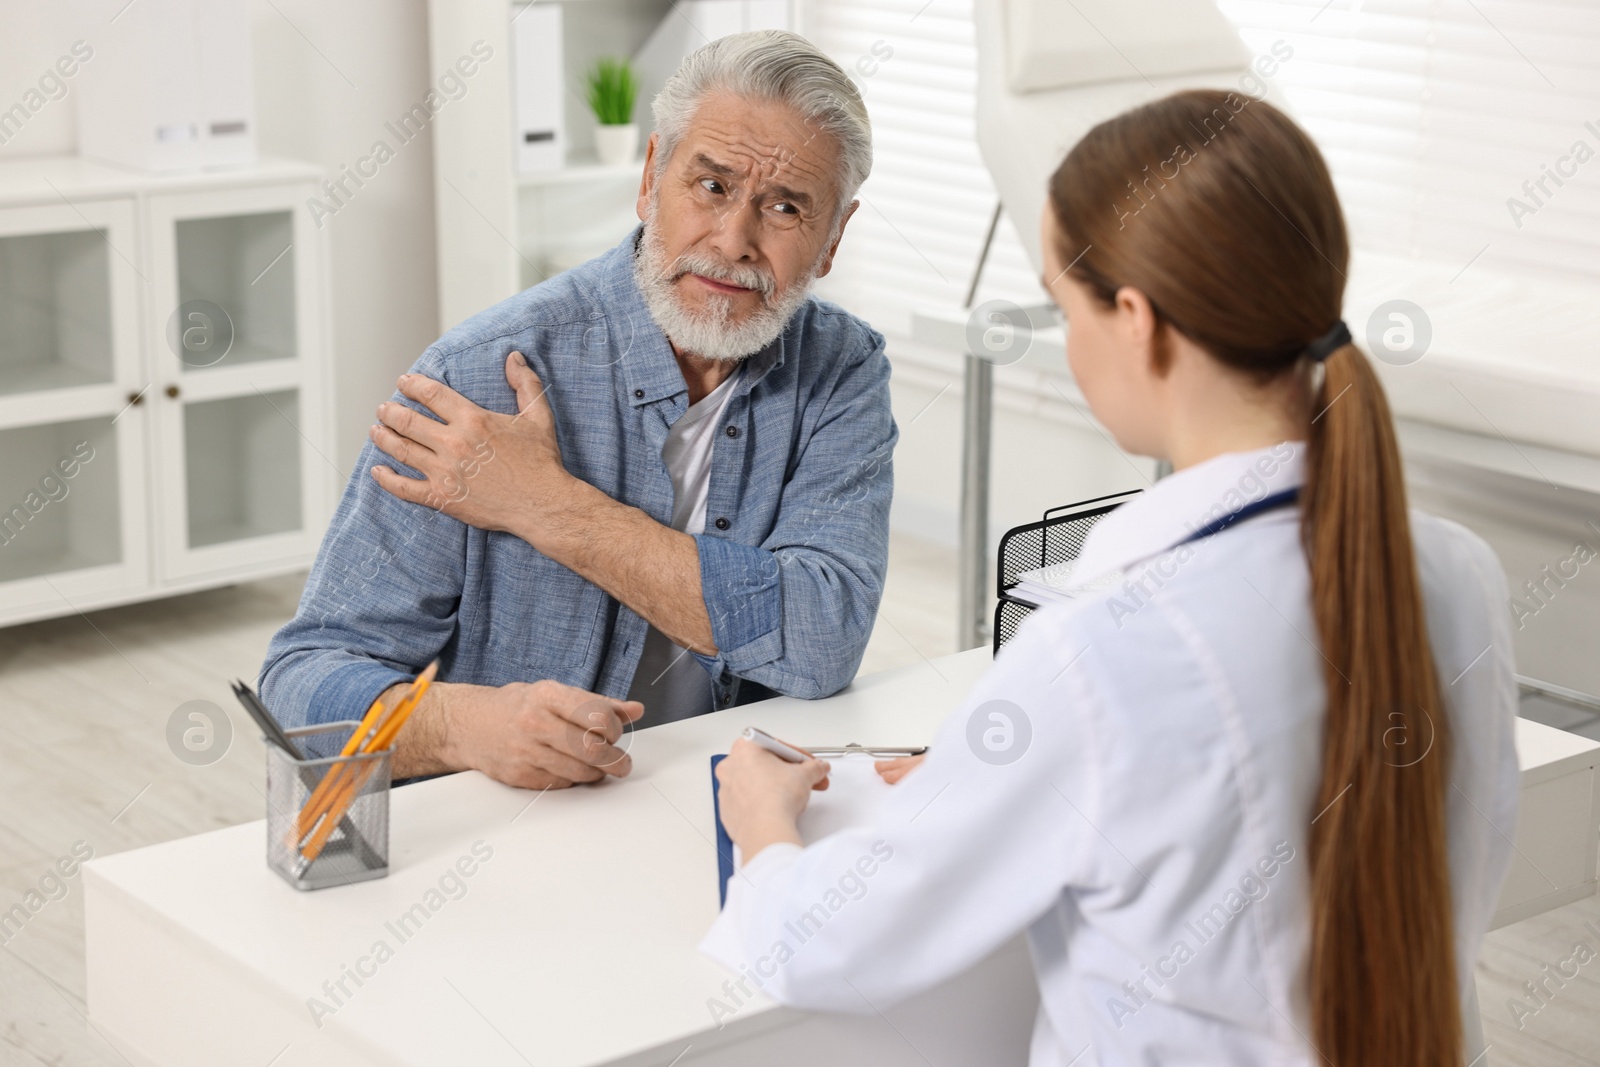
(1178, 505)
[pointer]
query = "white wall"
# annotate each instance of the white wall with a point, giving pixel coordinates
(327, 76)
(1044, 450)
(1548, 541)
(35, 35)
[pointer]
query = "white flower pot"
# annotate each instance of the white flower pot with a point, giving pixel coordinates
(616, 145)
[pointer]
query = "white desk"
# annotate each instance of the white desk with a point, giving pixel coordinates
(575, 943)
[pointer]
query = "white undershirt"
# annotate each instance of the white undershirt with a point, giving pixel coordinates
(669, 680)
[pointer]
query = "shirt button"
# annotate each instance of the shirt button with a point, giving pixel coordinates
(638, 394)
(733, 431)
(722, 524)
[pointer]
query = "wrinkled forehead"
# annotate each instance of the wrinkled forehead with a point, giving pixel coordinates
(761, 143)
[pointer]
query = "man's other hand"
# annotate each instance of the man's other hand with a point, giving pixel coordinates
(533, 735)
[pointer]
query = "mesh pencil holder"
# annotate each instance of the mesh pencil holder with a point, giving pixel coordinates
(350, 842)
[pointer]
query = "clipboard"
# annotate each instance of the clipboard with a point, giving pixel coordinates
(822, 816)
(724, 842)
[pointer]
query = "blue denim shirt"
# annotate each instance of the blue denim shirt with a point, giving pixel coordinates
(791, 563)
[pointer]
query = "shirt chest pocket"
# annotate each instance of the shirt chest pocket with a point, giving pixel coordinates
(539, 616)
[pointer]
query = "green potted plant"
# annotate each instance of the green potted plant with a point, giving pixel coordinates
(613, 88)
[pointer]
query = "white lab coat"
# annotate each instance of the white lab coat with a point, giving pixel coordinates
(1151, 839)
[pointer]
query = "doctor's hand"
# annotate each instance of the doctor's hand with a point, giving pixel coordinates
(532, 735)
(761, 796)
(892, 770)
(492, 471)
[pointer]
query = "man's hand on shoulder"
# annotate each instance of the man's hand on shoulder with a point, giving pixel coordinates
(492, 471)
(504, 472)
(533, 735)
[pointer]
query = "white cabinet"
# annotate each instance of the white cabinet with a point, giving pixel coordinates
(163, 382)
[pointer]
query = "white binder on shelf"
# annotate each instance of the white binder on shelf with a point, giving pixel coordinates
(539, 88)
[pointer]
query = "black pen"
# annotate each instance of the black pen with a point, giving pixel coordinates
(271, 729)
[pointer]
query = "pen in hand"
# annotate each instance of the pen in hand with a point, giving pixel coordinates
(782, 749)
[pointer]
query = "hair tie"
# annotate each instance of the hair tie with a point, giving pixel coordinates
(1330, 342)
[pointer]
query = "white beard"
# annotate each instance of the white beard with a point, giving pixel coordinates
(709, 332)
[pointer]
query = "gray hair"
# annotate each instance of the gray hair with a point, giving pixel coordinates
(772, 65)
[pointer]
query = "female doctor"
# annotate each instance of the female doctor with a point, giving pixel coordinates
(1251, 795)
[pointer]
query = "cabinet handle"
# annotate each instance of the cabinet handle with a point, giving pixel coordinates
(135, 399)
(172, 391)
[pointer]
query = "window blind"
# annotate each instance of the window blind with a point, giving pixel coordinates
(1462, 131)
(1447, 123)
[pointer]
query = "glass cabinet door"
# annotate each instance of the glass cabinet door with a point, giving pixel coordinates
(55, 310)
(73, 520)
(242, 456)
(60, 501)
(235, 288)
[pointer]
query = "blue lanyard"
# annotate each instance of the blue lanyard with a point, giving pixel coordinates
(1277, 500)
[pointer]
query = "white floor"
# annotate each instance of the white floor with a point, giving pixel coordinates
(84, 707)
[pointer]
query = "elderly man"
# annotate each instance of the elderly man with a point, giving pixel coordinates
(650, 487)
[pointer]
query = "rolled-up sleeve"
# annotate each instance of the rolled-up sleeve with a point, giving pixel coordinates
(379, 604)
(795, 612)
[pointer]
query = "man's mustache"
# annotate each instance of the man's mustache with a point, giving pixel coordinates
(744, 277)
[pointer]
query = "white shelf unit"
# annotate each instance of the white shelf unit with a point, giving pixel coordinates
(581, 172)
(571, 213)
(135, 462)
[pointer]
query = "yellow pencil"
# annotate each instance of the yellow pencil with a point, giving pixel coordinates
(325, 788)
(333, 783)
(350, 784)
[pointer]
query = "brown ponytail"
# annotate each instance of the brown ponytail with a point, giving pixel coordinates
(1221, 211)
(1381, 918)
